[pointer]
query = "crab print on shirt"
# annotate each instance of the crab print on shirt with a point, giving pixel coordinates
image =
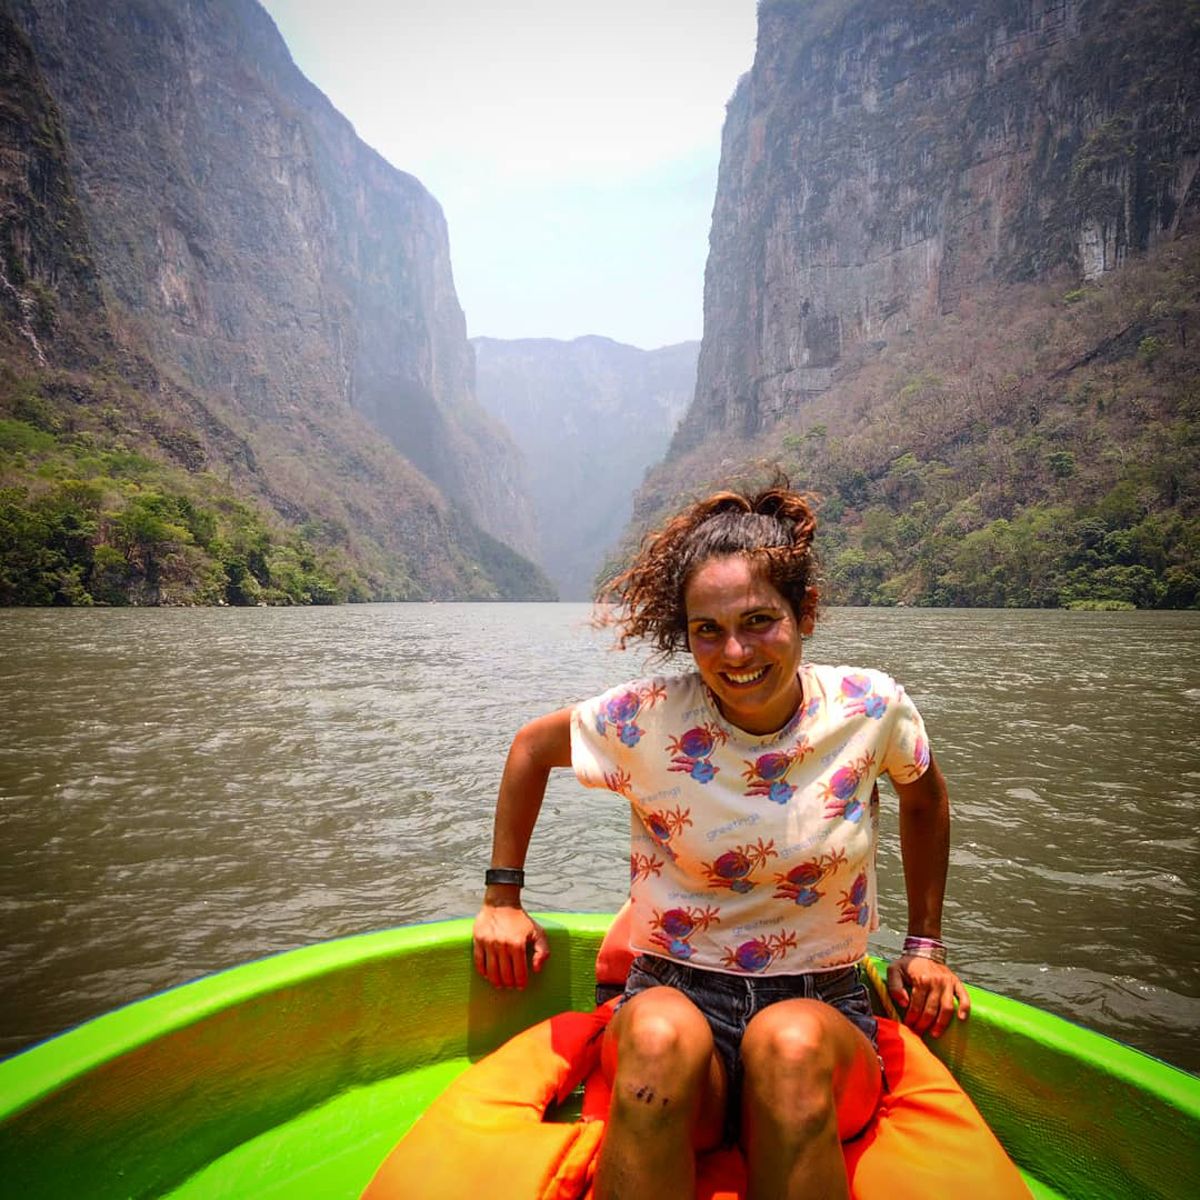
(800, 885)
(664, 823)
(622, 710)
(674, 929)
(919, 765)
(759, 953)
(767, 774)
(734, 869)
(840, 792)
(692, 751)
(619, 781)
(859, 696)
(642, 866)
(855, 908)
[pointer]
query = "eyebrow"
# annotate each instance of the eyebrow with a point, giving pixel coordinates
(746, 612)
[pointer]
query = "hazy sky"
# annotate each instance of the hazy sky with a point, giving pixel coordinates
(573, 144)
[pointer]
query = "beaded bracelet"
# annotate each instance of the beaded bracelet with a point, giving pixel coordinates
(925, 947)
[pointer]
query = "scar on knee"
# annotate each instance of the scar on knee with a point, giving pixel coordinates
(647, 1095)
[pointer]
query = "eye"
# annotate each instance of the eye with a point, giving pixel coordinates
(760, 620)
(705, 629)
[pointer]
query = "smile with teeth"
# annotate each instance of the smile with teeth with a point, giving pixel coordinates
(746, 677)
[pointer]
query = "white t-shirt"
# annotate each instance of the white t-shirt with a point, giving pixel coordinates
(751, 854)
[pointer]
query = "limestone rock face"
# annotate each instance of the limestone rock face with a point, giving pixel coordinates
(882, 158)
(257, 248)
(590, 415)
(42, 233)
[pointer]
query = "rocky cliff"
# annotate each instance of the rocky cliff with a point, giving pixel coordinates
(953, 289)
(882, 160)
(255, 255)
(44, 238)
(590, 416)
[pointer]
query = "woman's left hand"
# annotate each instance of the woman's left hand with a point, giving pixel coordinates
(926, 991)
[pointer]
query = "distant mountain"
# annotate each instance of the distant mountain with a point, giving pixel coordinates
(952, 287)
(590, 416)
(205, 269)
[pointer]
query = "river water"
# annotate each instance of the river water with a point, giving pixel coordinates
(185, 789)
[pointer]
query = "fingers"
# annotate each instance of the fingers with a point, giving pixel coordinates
(923, 1009)
(494, 963)
(964, 1000)
(503, 965)
(517, 974)
(541, 949)
(939, 1009)
(895, 984)
(500, 950)
(934, 992)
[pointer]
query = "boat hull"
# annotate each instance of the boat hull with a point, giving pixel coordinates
(294, 1075)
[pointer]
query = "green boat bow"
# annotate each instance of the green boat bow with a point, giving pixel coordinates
(294, 1075)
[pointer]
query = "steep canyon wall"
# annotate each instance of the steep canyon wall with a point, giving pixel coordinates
(880, 160)
(260, 254)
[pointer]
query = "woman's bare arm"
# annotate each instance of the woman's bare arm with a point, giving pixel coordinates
(926, 989)
(503, 930)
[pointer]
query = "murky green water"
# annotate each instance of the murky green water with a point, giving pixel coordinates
(181, 790)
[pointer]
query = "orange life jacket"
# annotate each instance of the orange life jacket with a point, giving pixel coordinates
(484, 1136)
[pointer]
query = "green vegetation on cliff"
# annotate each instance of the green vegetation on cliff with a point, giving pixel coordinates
(84, 519)
(1037, 448)
(109, 498)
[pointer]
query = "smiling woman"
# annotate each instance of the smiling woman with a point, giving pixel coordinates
(754, 827)
(746, 643)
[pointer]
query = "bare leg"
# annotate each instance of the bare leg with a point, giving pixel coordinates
(668, 1098)
(811, 1080)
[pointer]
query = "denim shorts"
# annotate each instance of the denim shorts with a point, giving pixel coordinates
(730, 1001)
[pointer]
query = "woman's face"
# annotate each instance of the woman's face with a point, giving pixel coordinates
(746, 641)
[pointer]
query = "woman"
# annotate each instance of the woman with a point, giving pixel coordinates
(751, 784)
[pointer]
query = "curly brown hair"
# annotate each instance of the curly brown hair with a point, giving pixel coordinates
(773, 527)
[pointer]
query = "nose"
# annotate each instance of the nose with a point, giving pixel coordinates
(735, 651)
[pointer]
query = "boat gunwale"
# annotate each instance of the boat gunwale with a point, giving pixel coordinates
(37, 1072)
(1097, 1063)
(62, 1058)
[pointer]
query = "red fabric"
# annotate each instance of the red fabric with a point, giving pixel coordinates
(615, 957)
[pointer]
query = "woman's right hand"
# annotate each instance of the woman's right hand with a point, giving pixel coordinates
(502, 936)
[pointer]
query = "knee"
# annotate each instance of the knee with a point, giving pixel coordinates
(661, 1062)
(664, 1032)
(789, 1038)
(663, 1049)
(790, 1067)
